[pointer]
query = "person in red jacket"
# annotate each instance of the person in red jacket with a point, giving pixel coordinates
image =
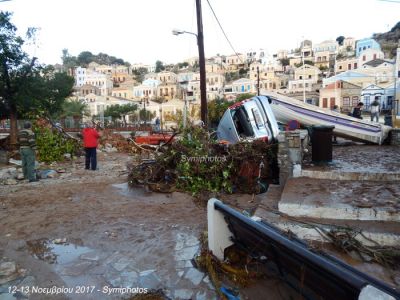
(90, 142)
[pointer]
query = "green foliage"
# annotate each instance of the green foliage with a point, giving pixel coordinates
(244, 96)
(139, 74)
(306, 62)
(120, 111)
(75, 109)
(51, 145)
(182, 65)
(86, 57)
(202, 174)
(68, 61)
(243, 72)
(285, 62)
(146, 114)
(323, 68)
(339, 56)
(231, 76)
(216, 109)
(159, 66)
(197, 163)
(26, 88)
(340, 40)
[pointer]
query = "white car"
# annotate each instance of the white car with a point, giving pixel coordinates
(249, 119)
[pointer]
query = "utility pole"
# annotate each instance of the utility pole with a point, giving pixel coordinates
(202, 63)
(258, 81)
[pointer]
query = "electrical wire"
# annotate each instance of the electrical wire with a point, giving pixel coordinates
(223, 31)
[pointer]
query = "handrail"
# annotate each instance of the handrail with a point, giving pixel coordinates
(322, 275)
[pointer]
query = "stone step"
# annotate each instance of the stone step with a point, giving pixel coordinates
(340, 199)
(358, 162)
(369, 233)
(348, 175)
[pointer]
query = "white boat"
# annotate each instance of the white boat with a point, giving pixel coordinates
(286, 109)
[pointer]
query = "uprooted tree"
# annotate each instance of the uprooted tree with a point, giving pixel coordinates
(27, 89)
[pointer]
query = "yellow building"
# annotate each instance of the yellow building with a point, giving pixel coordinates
(344, 94)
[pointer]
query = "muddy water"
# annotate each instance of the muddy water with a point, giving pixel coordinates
(92, 238)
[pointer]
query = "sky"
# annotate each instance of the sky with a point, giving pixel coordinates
(140, 31)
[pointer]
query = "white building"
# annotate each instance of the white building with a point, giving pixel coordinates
(101, 81)
(80, 76)
(147, 89)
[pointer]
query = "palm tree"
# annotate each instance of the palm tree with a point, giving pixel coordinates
(75, 109)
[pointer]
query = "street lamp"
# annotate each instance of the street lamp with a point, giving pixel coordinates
(202, 61)
(144, 102)
(178, 32)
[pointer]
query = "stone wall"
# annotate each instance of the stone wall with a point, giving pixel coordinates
(292, 145)
(395, 136)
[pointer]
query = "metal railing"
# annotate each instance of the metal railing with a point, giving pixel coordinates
(314, 275)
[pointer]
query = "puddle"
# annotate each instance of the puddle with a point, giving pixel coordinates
(52, 253)
(125, 190)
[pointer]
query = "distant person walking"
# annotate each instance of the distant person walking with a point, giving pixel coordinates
(375, 110)
(90, 142)
(357, 110)
(158, 124)
(27, 147)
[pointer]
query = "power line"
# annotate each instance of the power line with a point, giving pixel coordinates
(223, 31)
(393, 1)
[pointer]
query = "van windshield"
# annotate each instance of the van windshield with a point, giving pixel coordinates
(242, 122)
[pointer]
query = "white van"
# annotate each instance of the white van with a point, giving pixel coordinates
(249, 119)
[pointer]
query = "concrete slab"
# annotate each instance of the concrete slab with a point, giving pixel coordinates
(358, 162)
(370, 232)
(349, 200)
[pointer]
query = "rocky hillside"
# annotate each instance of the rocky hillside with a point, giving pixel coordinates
(389, 40)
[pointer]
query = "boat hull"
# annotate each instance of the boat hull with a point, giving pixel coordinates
(286, 109)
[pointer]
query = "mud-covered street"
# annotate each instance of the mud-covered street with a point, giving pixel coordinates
(88, 233)
(89, 229)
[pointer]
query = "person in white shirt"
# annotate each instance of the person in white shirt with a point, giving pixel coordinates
(375, 109)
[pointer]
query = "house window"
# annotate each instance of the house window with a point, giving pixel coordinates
(340, 67)
(375, 56)
(349, 66)
(364, 58)
(355, 65)
(309, 76)
(346, 101)
(300, 77)
(324, 102)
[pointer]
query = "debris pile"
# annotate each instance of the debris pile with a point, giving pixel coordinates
(238, 269)
(345, 239)
(197, 163)
(112, 142)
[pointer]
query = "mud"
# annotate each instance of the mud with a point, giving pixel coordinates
(86, 229)
(362, 158)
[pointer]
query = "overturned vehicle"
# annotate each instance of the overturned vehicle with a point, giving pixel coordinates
(249, 119)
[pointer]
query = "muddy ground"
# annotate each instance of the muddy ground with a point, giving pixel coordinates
(87, 230)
